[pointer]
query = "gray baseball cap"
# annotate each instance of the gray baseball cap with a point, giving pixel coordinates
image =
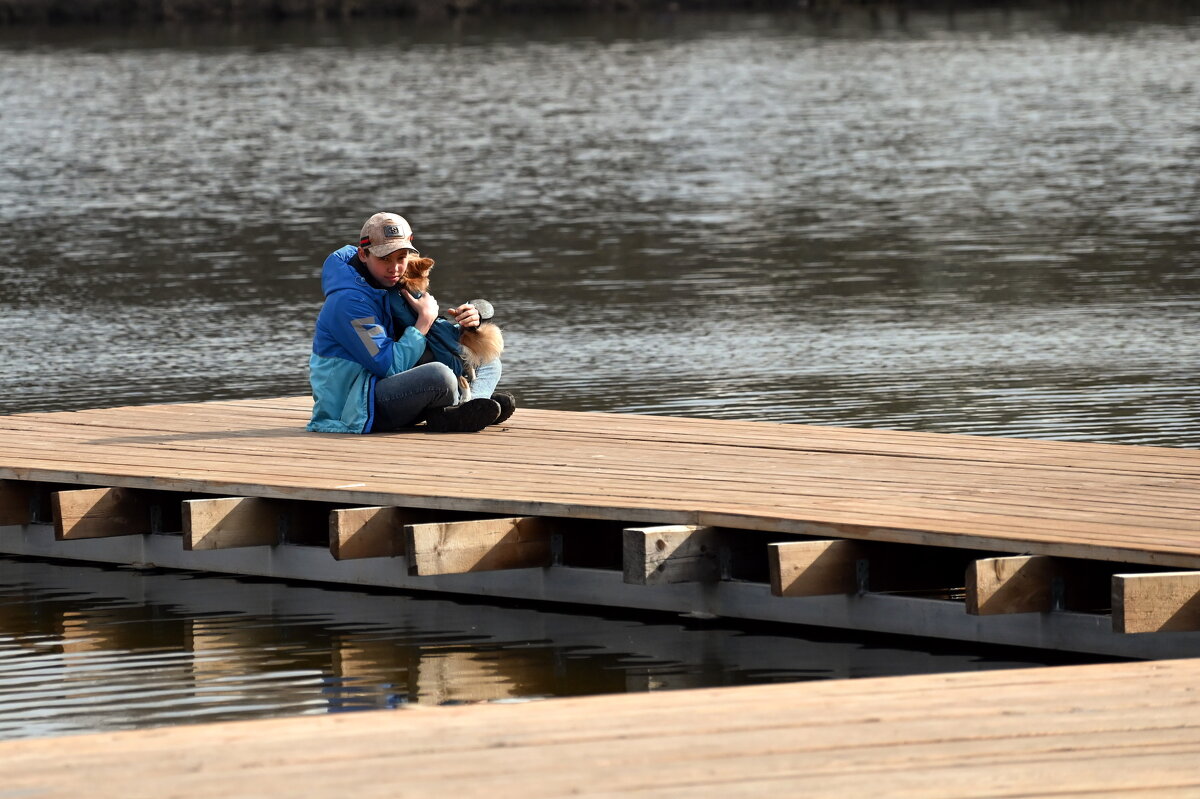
(384, 233)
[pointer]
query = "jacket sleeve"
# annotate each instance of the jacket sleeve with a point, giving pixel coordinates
(360, 333)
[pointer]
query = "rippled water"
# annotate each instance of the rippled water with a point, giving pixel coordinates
(85, 649)
(980, 222)
(983, 222)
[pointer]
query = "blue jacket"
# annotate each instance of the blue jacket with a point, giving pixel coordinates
(353, 348)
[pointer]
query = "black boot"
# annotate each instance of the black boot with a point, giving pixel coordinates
(507, 403)
(470, 417)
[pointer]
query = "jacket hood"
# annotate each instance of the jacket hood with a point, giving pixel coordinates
(338, 275)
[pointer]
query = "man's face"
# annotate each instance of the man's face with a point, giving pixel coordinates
(388, 269)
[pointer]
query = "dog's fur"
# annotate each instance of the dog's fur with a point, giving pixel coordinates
(479, 345)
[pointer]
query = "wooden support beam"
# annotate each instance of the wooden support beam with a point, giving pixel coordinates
(15, 496)
(232, 522)
(379, 532)
(815, 568)
(481, 545)
(100, 513)
(1156, 602)
(367, 532)
(1035, 584)
(675, 553)
(1023, 584)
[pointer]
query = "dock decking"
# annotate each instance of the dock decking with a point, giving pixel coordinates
(823, 505)
(1128, 729)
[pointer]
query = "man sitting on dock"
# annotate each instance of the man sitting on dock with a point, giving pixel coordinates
(369, 373)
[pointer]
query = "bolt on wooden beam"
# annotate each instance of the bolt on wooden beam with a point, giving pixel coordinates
(231, 522)
(816, 568)
(15, 496)
(675, 553)
(479, 545)
(100, 513)
(1156, 602)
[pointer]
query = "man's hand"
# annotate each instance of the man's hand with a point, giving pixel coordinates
(426, 308)
(465, 315)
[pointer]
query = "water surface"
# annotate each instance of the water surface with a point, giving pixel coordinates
(980, 222)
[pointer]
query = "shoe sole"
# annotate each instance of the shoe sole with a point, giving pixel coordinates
(470, 417)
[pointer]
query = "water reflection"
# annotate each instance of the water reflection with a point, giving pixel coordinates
(91, 648)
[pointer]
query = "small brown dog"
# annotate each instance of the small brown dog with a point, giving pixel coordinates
(477, 345)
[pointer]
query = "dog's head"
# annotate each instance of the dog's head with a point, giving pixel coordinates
(416, 274)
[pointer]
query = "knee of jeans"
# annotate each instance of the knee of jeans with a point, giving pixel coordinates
(446, 379)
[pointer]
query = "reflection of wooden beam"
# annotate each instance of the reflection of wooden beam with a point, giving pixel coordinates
(231, 522)
(14, 502)
(814, 568)
(1156, 602)
(483, 545)
(99, 513)
(674, 553)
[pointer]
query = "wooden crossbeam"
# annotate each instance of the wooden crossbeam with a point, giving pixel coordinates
(378, 532)
(368, 532)
(815, 568)
(480, 545)
(1156, 602)
(674, 553)
(1035, 584)
(14, 502)
(1012, 585)
(231, 522)
(100, 513)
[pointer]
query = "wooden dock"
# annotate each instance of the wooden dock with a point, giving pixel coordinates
(1037, 543)
(1127, 729)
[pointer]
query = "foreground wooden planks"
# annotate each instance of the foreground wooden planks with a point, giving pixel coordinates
(1109, 729)
(1124, 504)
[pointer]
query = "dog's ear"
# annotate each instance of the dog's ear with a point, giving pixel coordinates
(419, 266)
(416, 274)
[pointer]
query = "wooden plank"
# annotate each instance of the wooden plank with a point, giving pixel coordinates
(231, 522)
(1137, 505)
(100, 513)
(1113, 729)
(1156, 602)
(677, 553)
(15, 496)
(482, 545)
(815, 568)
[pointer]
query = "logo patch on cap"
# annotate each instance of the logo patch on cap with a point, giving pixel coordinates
(391, 231)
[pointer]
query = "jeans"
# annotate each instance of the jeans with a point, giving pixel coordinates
(486, 378)
(401, 400)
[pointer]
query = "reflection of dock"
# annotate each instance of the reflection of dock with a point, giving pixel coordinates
(1047, 544)
(1080, 730)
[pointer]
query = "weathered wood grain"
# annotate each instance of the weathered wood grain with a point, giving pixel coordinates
(481, 545)
(99, 513)
(1156, 602)
(815, 568)
(1123, 729)
(1091, 501)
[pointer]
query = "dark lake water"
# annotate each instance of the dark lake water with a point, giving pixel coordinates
(979, 222)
